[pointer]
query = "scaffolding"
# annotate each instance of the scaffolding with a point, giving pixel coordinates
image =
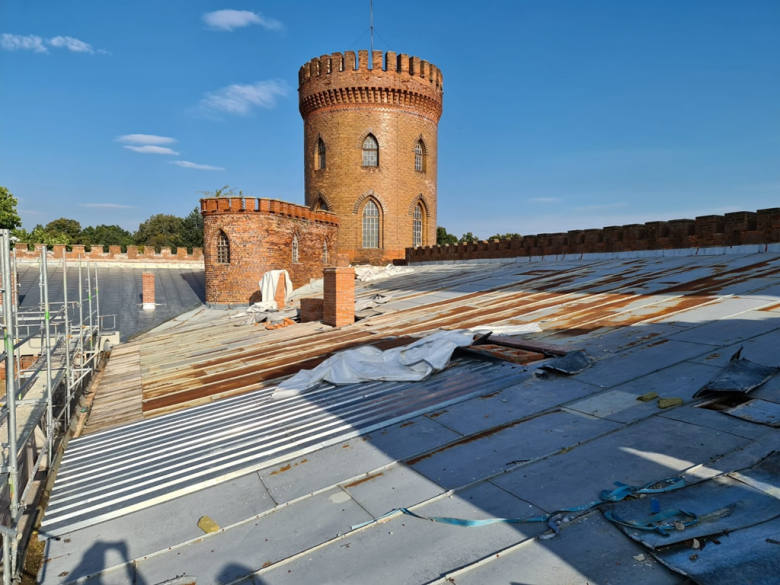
(50, 353)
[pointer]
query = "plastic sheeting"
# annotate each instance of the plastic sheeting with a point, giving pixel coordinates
(369, 273)
(268, 285)
(410, 363)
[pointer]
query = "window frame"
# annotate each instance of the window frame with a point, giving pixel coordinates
(369, 154)
(418, 226)
(223, 248)
(420, 157)
(325, 253)
(320, 157)
(366, 236)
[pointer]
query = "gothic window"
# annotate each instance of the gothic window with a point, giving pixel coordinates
(419, 156)
(223, 248)
(370, 225)
(370, 152)
(325, 252)
(417, 226)
(295, 250)
(320, 205)
(320, 158)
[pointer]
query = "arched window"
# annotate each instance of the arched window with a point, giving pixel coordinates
(319, 163)
(370, 152)
(419, 156)
(223, 248)
(370, 225)
(295, 250)
(320, 205)
(325, 252)
(417, 226)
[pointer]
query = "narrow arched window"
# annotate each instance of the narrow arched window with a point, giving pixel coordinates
(295, 250)
(223, 248)
(320, 205)
(419, 156)
(370, 152)
(417, 226)
(370, 225)
(320, 162)
(325, 252)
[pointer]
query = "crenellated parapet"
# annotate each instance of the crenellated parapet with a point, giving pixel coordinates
(249, 205)
(389, 80)
(706, 231)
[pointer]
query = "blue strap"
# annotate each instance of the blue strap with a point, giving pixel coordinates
(665, 485)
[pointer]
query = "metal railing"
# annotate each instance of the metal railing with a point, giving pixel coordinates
(39, 398)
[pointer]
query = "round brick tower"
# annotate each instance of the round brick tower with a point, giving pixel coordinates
(370, 149)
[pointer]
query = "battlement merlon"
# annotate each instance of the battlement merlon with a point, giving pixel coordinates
(243, 205)
(387, 70)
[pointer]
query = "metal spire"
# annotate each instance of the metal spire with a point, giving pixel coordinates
(371, 8)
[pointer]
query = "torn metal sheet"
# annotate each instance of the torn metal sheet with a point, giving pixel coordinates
(722, 504)
(744, 556)
(757, 411)
(509, 354)
(739, 375)
(572, 363)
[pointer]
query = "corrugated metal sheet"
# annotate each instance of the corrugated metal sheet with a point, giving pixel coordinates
(112, 473)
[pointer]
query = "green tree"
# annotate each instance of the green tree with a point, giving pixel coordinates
(468, 237)
(160, 230)
(9, 218)
(192, 230)
(69, 228)
(444, 237)
(106, 235)
(40, 235)
(507, 236)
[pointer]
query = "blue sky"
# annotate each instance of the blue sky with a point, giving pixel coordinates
(557, 114)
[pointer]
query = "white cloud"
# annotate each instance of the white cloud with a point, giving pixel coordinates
(74, 45)
(230, 20)
(106, 205)
(151, 149)
(37, 44)
(240, 99)
(145, 139)
(22, 43)
(185, 164)
(544, 199)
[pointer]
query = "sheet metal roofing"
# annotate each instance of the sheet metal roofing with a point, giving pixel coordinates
(509, 443)
(177, 289)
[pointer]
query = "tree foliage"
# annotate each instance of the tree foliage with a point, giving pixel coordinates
(9, 218)
(192, 230)
(444, 237)
(506, 236)
(160, 230)
(226, 191)
(468, 237)
(68, 229)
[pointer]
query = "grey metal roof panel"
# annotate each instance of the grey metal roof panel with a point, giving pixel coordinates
(108, 474)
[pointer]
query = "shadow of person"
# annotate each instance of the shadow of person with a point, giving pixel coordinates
(234, 572)
(102, 555)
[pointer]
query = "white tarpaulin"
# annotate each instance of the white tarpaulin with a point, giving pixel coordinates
(410, 363)
(368, 273)
(268, 285)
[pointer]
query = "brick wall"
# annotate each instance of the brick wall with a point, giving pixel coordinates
(731, 229)
(311, 310)
(399, 101)
(261, 233)
(148, 289)
(338, 305)
(114, 254)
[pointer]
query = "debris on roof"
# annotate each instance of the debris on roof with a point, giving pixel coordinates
(196, 434)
